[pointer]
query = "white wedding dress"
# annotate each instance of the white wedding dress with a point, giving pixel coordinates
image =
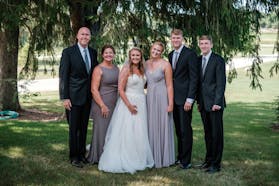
(127, 147)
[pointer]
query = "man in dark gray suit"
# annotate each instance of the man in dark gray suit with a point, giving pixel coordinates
(75, 71)
(211, 103)
(185, 82)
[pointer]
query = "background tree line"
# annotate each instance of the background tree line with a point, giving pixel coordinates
(269, 20)
(45, 25)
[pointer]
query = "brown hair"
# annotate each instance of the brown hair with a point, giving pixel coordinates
(176, 31)
(107, 46)
(206, 37)
(140, 66)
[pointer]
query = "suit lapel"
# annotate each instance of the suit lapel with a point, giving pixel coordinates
(81, 58)
(200, 67)
(91, 56)
(209, 63)
(170, 57)
(179, 60)
(91, 59)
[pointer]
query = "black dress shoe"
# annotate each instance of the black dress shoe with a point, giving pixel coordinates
(204, 165)
(76, 163)
(84, 160)
(185, 166)
(212, 170)
(177, 162)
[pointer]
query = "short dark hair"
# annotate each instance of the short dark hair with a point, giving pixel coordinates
(107, 46)
(206, 37)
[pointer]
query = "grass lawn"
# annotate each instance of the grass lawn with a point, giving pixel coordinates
(36, 152)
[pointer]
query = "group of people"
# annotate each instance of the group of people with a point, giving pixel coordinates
(132, 130)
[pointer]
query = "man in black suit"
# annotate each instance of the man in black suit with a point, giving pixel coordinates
(185, 82)
(211, 103)
(75, 71)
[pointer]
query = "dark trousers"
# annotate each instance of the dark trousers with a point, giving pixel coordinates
(78, 118)
(213, 135)
(184, 133)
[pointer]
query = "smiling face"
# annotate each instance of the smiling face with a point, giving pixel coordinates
(83, 36)
(156, 51)
(205, 46)
(108, 54)
(176, 40)
(135, 57)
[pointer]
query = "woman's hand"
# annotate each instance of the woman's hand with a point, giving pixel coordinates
(104, 111)
(133, 109)
(170, 108)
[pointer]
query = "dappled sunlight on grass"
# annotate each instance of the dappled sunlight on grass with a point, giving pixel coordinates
(95, 171)
(154, 180)
(14, 152)
(258, 163)
(44, 160)
(59, 147)
(161, 180)
(23, 129)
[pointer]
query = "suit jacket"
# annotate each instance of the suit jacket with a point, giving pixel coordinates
(212, 84)
(74, 81)
(185, 75)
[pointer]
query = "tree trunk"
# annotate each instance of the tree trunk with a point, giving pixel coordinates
(79, 17)
(8, 68)
(76, 16)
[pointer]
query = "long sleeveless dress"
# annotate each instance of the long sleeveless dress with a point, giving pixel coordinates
(127, 147)
(109, 93)
(160, 122)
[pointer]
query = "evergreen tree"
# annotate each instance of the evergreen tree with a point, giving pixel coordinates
(233, 24)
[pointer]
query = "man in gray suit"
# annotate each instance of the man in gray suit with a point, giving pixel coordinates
(211, 103)
(75, 71)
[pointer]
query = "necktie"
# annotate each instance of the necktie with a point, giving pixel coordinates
(203, 65)
(86, 60)
(175, 60)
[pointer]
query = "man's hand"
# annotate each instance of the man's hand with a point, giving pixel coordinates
(216, 107)
(199, 108)
(187, 106)
(67, 104)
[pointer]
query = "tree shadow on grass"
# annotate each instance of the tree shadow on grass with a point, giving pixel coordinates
(251, 146)
(33, 153)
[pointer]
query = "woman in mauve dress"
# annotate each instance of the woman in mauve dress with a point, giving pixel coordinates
(160, 107)
(105, 92)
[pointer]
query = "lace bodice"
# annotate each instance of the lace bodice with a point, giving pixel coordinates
(135, 84)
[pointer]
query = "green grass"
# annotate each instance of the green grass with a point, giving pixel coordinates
(268, 37)
(267, 43)
(240, 91)
(45, 101)
(36, 153)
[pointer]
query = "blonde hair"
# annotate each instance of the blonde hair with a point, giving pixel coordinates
(176, 31)
(160, 44)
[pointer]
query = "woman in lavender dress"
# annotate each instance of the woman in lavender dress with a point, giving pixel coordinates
(160, 107)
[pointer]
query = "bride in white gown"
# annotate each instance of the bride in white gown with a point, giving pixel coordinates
(127, 147)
